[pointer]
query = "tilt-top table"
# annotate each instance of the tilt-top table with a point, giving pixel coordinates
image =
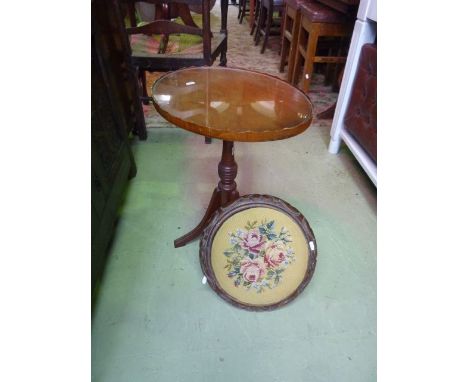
(232, 105)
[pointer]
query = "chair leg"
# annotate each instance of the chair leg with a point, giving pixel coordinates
(255, 16)
(269, 21)
(285, 47)
(293, 48)
(184, 13)
(328, 113)
(253, 28)
(163, 43)
(338, 68)
(223, 58)
(283, 16)
(244, 11)
(329, 69)
(142, 75)
(261, 21)
(285, 43)
(309, 60)
(240, 10)
(295, 66)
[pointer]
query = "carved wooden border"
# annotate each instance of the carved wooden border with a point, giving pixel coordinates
(241, 204)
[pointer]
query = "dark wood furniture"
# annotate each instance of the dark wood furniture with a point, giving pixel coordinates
(232, 105)
(214, 43)
(168, 11)
(343, 6)
(108, 32)
(197, 8)
(290, 30)
(289, 33)
(255, 12)
(266, 21)
(164, 11)
(243, 10)
(115, 112)
(253, 6)
(318, 21)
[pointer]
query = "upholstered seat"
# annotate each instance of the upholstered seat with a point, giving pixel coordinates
(294, 4)
(182, 44)
(318, 13)
(148, 45)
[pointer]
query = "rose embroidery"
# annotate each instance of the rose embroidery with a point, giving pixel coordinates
(275, 254)
(253, 241)
(258, 255)
(252, 270)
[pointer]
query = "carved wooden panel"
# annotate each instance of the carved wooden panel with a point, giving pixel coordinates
(114, 48)
(114, 114)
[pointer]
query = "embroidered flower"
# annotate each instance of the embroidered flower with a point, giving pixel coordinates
(253, 241)
(275, 253)
(258, 255)
(252, 270)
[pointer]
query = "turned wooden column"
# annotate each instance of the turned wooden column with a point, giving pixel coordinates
(227, 171)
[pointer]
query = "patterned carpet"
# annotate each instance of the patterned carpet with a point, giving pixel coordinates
(242, 53)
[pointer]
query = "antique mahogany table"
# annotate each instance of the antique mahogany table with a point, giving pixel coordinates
(232, 105)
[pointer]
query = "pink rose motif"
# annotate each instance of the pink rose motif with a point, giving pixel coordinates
(252, 270)
(253, 241)
(275, 254)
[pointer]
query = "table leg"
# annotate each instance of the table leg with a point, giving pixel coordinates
(328, 113)
(227, 171)
(225, 193)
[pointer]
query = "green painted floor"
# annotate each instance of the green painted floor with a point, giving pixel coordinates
(155, 321)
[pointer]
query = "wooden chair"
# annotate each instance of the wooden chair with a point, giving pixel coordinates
(266, 21)
(317, 20)
(214, 44)
(289, 33)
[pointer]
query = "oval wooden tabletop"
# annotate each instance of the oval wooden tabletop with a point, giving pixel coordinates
(232, 104)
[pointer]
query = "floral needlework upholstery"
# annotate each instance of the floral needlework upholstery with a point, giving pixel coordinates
(259, 256)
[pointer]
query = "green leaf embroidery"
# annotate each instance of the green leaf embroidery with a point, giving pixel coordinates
(255, 262)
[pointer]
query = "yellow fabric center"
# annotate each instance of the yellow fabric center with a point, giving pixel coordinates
(292, 273)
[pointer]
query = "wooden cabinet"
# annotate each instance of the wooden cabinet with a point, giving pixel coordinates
(115, 114)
